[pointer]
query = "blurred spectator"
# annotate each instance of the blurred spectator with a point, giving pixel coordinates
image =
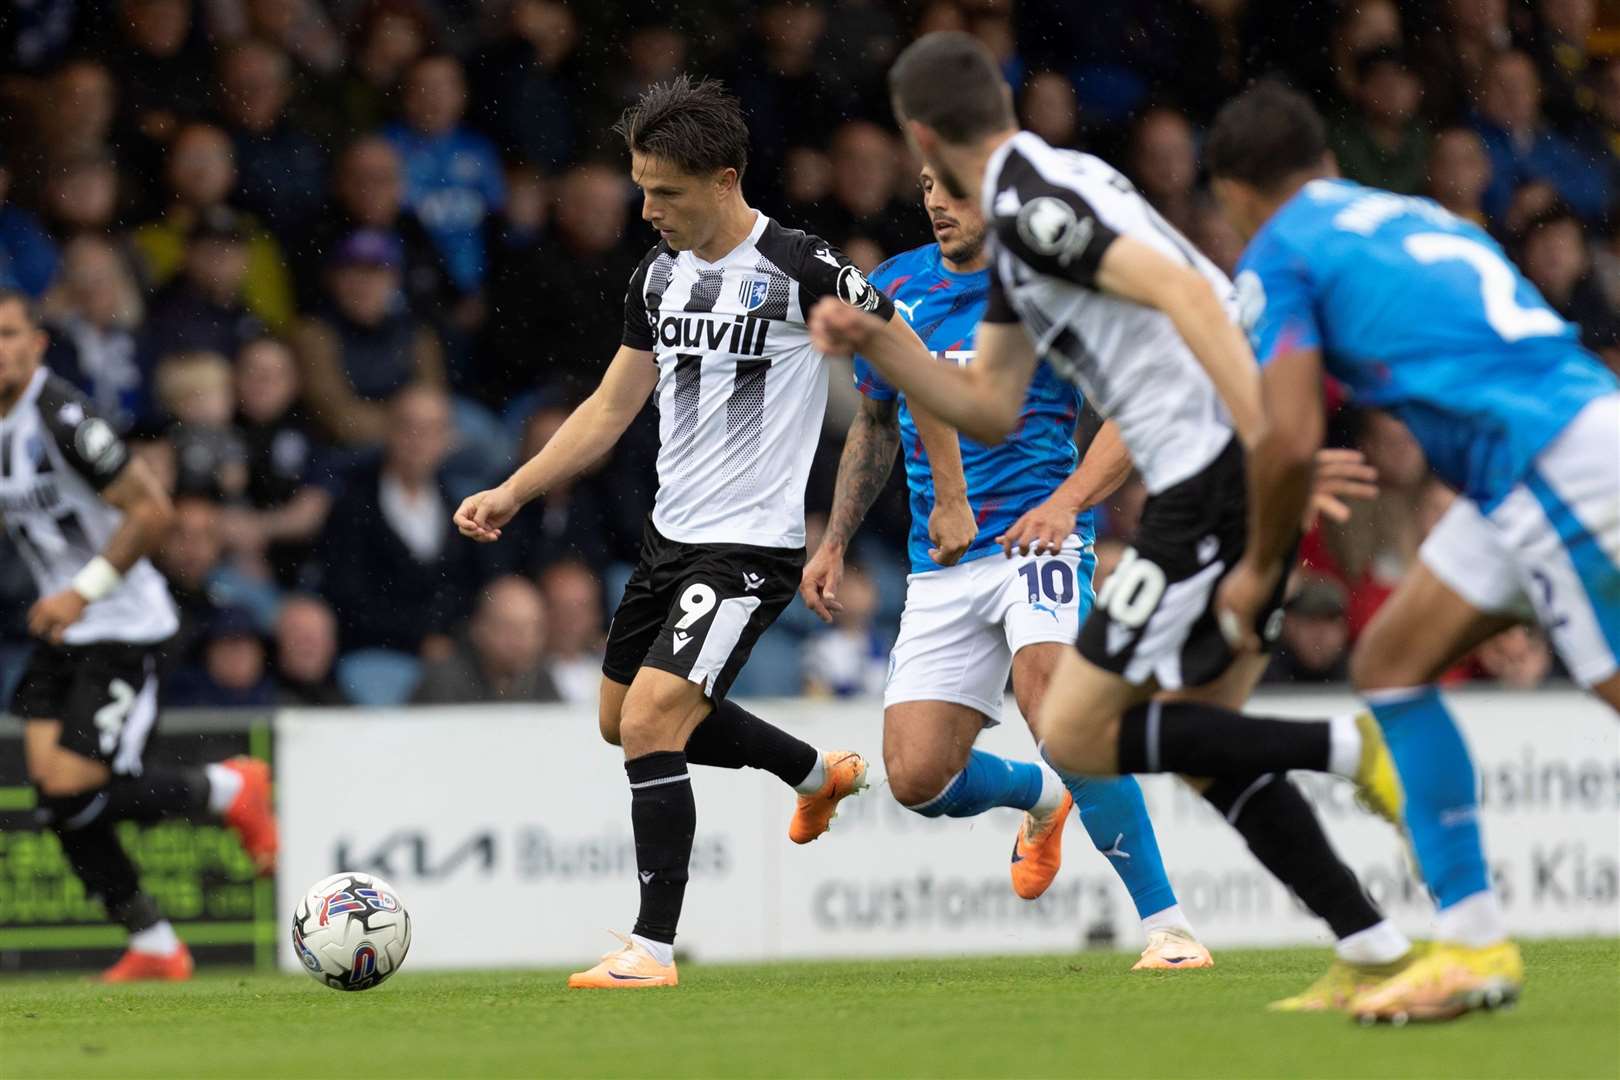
(784, 89)
(1605, 113)
(1523, 147)
(391, 34)
(158, 51)
(27, 255)
(1530, 201)
(1050, 109)
(197, 391)
(1382, 143)
(1164, 163)
(808, 183)
(368, 192)
(1454, 54)
(306, 652)
(363, 344)
(391, 565)
(280, 168)
(502, 657)
(1518, 659)
(299, 28)
(81, 195)
(527, 98)
(851, 658)
(581, 273)
(1563, 57)
(573, 598)
(656, 52)
(453, 176)
(1459, 173)
(1315, 642)
(568, 522)
(200, 170)
(202, 310)
(234, 672)
(286, 505)
(92, 315)
(78, 110)
(1213, 234)
(866, 192)
(1552, 253)
(1363, 27)
(201, 580)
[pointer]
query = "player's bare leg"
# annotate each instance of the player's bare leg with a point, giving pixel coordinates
(82, 801)
(1420, 632)
(1115, 817)
(1269, 812)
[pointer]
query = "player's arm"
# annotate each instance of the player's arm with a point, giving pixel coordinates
(863, 470)
(128, 485)
(1141, 273)
(583, 439)
(1101, 471)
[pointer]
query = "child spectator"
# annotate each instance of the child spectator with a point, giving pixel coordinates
(197, 391)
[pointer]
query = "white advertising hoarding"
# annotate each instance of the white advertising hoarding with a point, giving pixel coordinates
(507, 832)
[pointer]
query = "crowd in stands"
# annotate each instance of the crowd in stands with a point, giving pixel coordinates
(332, 266)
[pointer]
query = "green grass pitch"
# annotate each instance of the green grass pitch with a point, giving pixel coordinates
(1083, 1015)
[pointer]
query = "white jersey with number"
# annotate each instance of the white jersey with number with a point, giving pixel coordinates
(1054, 213)
(56, 457)
(741, 390)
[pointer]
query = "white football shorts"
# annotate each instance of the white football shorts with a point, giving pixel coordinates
(963, 624)
(1551, 549)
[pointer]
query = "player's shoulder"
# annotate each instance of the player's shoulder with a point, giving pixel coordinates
(907, 264)
(659, 250)
(85, 436)
(796, 250)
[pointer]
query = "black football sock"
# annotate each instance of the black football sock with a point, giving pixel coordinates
(1207, 740)
(97, 858)
(663, 817)
(731, 737)
(157, 794)
(1282, 831)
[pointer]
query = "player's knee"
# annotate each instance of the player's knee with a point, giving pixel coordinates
(915, 779)
(1084, 747)
(652, 718)
(57, 777)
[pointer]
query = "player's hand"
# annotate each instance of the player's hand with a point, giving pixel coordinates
(1042, 530)
(1238, 602)
(484, 513)
(952, 528)
(1340, 475)
(823, 574)
(837, 329)
(50, 616)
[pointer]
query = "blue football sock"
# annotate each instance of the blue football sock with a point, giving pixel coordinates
(985, 782)
(1442, 791)
(1116, 818)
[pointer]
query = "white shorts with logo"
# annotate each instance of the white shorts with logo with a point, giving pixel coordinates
(1551, 549)
(963, 624)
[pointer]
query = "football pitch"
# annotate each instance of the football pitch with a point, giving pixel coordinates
(1078, 1015)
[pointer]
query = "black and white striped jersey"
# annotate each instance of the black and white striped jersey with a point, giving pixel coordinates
(741, 390)
(57, 454)
(1054, 213)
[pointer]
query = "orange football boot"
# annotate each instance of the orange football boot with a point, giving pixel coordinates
(1038, 851)
(251, 815)
(846, 775)
(1172, 950)
(145, 967)
(629, 968)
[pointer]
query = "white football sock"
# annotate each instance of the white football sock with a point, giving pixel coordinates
(1475, 921)
(1052, 791)
(815, 779)
(1380, 943)
(662, 951)
(156, 940)
(1344, 746)
(223, 785)
(1171, 918)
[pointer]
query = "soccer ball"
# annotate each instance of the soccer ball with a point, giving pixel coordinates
(350, 931)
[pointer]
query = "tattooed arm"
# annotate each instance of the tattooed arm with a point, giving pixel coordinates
(874, 437)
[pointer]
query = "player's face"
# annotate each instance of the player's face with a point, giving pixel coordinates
(685, 209)
(958, 223)
(22, 346)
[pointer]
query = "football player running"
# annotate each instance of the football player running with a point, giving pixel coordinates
(1420, 313)
(966, 626)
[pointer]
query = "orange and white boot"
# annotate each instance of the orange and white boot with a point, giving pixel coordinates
(846, 775)
(1038, 851)
(1173, 949)
(631, 967)
(251, 815)
(149, 967)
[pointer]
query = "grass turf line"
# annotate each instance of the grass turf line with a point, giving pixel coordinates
(1080, 1015)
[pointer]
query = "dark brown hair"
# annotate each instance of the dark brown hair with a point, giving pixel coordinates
(949, 81)
(697, 126)
(1265, 135)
